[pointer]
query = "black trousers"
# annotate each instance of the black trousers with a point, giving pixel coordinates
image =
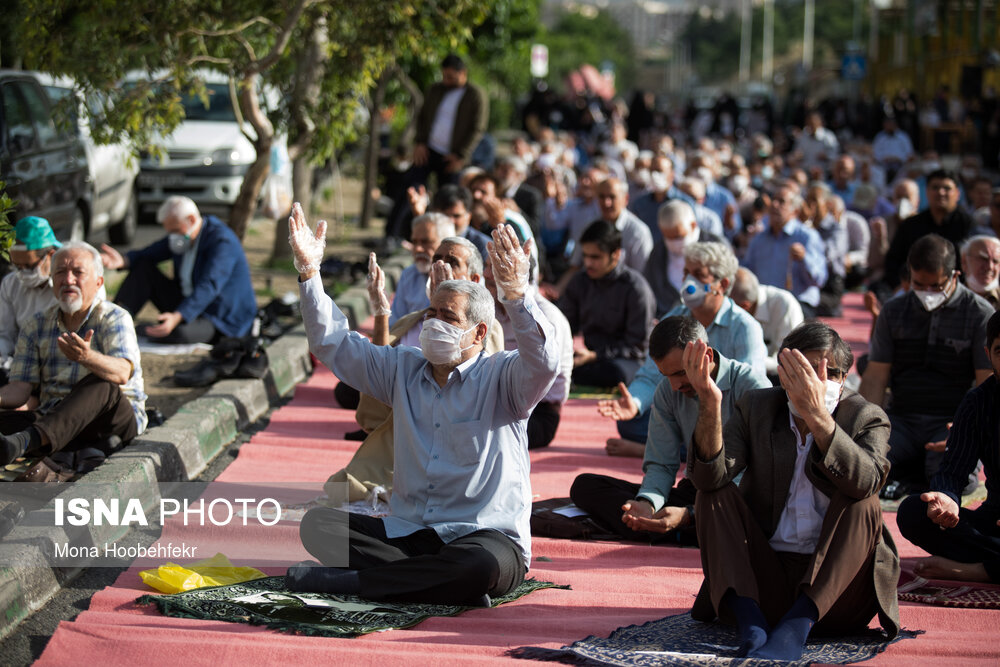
(606, 372)
(419, 567)
(543, 423)
(397, 225)
(93, 410)
(144, 283)
(976, 538)
(602, 498)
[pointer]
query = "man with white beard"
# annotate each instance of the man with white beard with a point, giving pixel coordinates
(82, 358)
(411, 292)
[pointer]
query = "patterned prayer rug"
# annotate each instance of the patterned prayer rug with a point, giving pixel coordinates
(970, 595)
(681, 640)
(267, 602)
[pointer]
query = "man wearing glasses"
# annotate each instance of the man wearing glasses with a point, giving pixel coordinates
(929, 348)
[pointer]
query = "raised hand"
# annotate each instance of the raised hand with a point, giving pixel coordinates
(698, 368)
(806, 390)
(418, 200)
(509, 263)
(440, 272)
(377, 298)
(620, 409)
(307, 247)
(111, 258)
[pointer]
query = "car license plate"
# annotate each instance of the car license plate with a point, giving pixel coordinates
(160, 180)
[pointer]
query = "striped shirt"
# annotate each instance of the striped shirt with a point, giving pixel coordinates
(974, 436)
(38, 361)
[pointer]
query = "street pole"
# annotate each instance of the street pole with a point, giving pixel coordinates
(808, 28)
(746, 39)
(767, 59)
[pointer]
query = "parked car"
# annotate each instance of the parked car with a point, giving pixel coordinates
(206, 157)
(113, 170)
(44, 168)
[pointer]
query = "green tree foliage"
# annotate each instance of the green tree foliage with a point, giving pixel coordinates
(577, 39)
(715, 42)
(6, 229)
(323, 54)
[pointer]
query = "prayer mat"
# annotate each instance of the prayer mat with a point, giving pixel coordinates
(939, 593)
(681, 640)
(267, 602)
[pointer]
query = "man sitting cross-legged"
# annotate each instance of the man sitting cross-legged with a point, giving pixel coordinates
(82, 356)
(801, 541)
(458, 529)
(644, 511)
(965, 544)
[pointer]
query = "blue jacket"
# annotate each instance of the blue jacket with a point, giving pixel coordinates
(221, 287)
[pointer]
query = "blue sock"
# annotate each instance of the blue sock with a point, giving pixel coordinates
(788, 639)
(750, 622)
(312, 577)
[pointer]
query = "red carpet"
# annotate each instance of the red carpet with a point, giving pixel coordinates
(613, 584)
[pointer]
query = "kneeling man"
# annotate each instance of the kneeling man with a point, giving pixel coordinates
(82, 358)
(801, 541)
(458, 530)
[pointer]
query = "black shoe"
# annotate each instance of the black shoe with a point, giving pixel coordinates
(253, 365)
(202, 375)
(154, 416)
(358, 435)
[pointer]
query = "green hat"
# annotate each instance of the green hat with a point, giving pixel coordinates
(34, 233)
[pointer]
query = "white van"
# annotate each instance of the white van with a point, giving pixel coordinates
(205, 158)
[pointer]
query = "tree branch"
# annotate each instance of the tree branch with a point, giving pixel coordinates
(231, 31)
(283, 37)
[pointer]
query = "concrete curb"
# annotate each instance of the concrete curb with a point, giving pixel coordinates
(179, 450)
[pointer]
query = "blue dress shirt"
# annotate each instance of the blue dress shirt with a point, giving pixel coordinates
(767, 257)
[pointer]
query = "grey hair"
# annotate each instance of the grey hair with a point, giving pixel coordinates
(474, 261)
(675, 213)
(718, 258)
(480, 306)
(515, 163)
(697, 184)
(981, 238)
(70, 246)
(746, 287)
(444, 225)
(177, 206)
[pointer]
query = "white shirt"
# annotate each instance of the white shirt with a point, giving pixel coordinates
(802, 518)
(778, 312)
(823, 143)
(675, 270)
(444, 121)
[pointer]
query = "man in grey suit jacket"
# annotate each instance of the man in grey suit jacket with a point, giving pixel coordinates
(801, 541)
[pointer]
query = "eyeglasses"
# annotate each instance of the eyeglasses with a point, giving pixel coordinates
(29, 267)
(936, 287)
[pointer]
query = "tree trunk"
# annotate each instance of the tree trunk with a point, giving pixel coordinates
(253, 182)
(371, 151)
(309, 73)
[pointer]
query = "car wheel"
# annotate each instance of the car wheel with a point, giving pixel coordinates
(78, 228)
(122, 232)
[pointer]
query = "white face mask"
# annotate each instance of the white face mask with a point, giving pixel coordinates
(441, 342)
(179, 243)
(693, 292)
(32, 277)
(932, 300)
(904, 209)
(676, 246)
(658, 181)
(738, 183)
(831, 398)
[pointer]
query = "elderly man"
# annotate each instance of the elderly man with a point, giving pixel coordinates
(788, 254)
(678, 229)
(842, 181)
(928, 347)
(611, 305)
(981, 267)
(647, 511)
(411, 292)
(210, 295)
(801, 542)
(82, 358)
(371, 466)
(777, 311)
(458, 528)
(892, 147)
(27, 290)
(816, 144)
(708, 220)
(964, 544)
(709, 270)
(817, 214)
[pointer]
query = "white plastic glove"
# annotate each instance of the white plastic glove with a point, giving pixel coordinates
(509, 262)
(307, 247)
(377, 299)
(440, 272)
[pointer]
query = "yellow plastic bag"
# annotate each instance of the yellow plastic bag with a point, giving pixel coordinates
(214, 571)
